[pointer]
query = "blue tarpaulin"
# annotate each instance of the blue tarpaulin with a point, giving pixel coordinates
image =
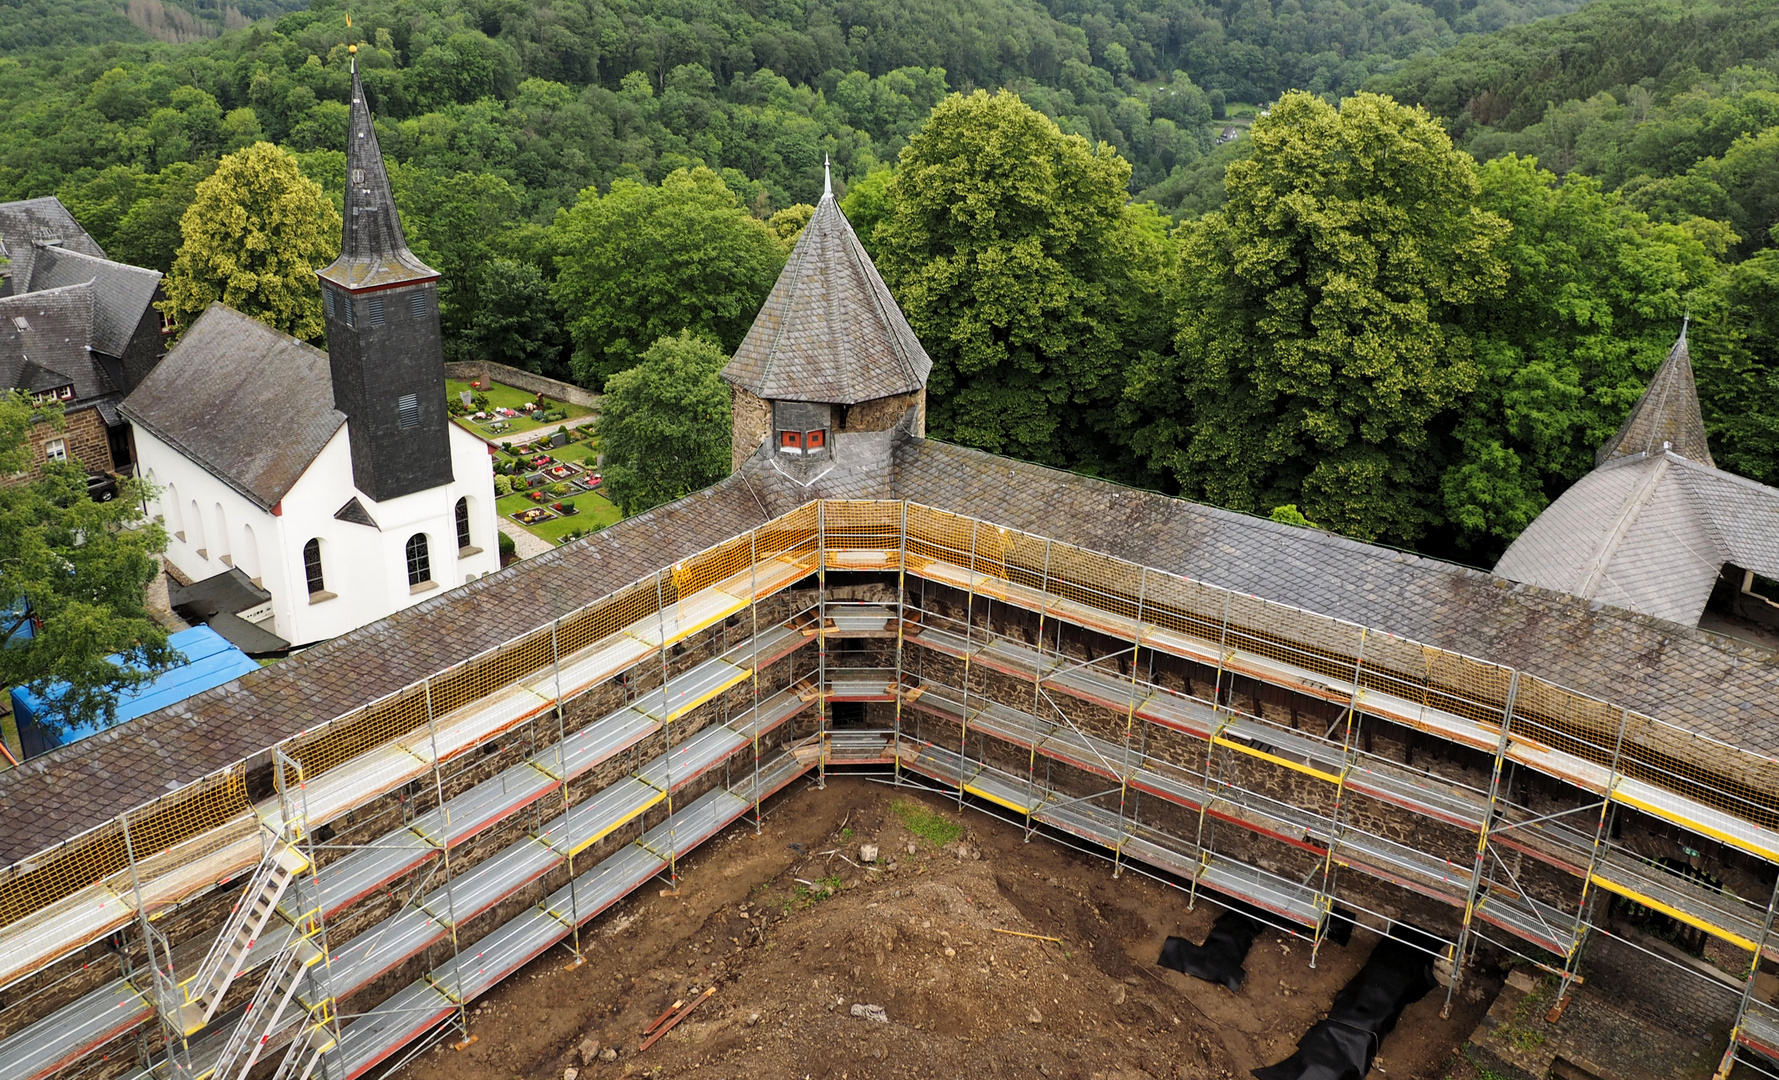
(210, 661)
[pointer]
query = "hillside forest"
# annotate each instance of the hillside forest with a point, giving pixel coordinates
(1390, 268)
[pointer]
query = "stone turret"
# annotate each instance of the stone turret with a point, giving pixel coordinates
(830, 354)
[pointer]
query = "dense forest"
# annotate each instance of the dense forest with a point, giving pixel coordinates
(591, 176)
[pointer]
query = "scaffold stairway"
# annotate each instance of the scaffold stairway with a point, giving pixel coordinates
(261, 1020)
(205, 991)
(305, 1053)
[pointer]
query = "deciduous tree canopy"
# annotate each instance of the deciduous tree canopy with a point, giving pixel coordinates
(664, 424)
(644, 261)
(73, 571)
(253, 238)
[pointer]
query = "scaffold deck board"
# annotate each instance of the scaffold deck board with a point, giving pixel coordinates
(1287, 899)
(773, 711)
(598, 817)
(369, 1039)
(689, 690)
(379, 949)
(773, 776)
(861, 747)
(681, 620)
(1671, 806)
(604, 885)
(1085, 820)
(1691, 901)
(692, 758)
(491, 881)
(596, 744)
(689, 827)
(861, 684)
(61, 1038)
(1528, 919)
(1759, 1030)
(491, 801)
(861, 620)
(353, 877)
(586, 668)
(505, 950)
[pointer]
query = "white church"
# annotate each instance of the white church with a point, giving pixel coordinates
(323, 490)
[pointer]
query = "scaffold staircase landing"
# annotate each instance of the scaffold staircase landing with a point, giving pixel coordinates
(260, 1023)
(204, 993)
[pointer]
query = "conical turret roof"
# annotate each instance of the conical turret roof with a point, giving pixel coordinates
(373, 252)
(1666, 415)
(829, 331)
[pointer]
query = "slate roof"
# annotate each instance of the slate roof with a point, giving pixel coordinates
(1649, 533)
(830, 331)
(121, 292)
(52, 350)
(1666, 416)
(69, 790)
(1655, 521)
(31, 221)
(374, 253)
(1715, 685)
(251, 405)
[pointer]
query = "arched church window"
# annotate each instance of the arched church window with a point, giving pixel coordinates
(419, 561)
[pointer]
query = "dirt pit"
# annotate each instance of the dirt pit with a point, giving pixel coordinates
(794, 929)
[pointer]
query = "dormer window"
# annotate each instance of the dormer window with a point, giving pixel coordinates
(802, 442)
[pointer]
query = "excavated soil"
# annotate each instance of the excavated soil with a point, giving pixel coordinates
(916, 936)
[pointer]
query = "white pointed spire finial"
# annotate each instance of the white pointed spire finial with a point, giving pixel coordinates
(827, 178)
(1685, 319)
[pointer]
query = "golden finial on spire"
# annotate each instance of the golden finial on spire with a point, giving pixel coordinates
(351, 47)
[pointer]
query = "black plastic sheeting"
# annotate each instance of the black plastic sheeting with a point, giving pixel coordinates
(1219, 959)
(1398, 974)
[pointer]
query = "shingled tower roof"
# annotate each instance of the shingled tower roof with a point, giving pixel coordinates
(830, 331)
(1666, 416)
(374, 252)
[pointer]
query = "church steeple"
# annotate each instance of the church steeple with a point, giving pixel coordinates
(373, 252)
(1667, 416)
(384, 344)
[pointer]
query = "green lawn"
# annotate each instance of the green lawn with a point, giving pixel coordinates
(596, 513)
(512, 398)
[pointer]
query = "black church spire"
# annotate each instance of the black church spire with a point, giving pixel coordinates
(373, 251)
(383, 340)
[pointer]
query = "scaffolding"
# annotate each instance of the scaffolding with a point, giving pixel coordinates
(1032, 678)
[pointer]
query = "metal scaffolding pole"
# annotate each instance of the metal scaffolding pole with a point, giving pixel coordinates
(1325, 894)
(1760, 943)
(1573, 960)
(821, 644)
(667, 730)
(901, 643)
(438, 783)
(963, 736)
(574, 908)
(753, 612)
(165, 983)
(1482, 842)
(1031, 768)
(1130, 718)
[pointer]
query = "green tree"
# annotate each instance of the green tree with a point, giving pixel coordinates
(254, 236)
(644, 262)
(664, 424)
(74, 571)
(1011, 250)
(1317, 338)
(1593, 299)
(515, 322)
(1735, 348)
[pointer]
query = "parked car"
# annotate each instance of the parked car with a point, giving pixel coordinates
(101, 488)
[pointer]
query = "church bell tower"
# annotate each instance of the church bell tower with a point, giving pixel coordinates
(383, 340)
